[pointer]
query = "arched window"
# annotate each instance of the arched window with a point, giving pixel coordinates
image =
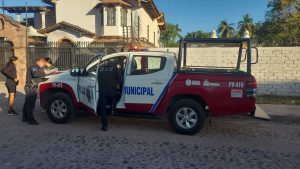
(123, 17)
(111, 16)
(1, 24)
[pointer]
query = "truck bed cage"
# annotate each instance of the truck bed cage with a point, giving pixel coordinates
(215, 40)
(183, 49)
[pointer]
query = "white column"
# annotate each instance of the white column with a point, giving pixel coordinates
(246, 34)
(118, 19)
(104, 20)
(18, 18)
(43, 18)
(129, 17)
(213, 34)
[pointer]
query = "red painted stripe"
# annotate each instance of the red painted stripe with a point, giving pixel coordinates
(134, 107)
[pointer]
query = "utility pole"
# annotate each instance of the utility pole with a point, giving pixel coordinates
(3, 6)
(26, 29)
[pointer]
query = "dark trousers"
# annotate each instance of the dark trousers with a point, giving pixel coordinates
(29, 104)
(105, 98)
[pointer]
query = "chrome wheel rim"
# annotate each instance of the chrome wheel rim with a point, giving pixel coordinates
(58, 109)
(186, 118)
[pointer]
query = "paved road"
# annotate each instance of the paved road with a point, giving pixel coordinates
(231, 142)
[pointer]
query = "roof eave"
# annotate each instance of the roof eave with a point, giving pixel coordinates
(65, 25)
(50, 2)
(151, 8)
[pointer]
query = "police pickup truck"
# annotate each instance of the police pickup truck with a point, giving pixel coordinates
(161, 83)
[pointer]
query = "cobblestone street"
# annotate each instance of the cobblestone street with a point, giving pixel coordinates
(230, 142)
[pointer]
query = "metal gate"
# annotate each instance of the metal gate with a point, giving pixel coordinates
(69, 55)
(6, 50)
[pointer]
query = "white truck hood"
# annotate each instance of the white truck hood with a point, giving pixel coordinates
(61, 77)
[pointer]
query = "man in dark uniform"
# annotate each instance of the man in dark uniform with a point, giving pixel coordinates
(109, 77)
(33, 78)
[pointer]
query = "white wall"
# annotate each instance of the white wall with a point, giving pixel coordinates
(146, 20)
(60, 34)
(78, 12)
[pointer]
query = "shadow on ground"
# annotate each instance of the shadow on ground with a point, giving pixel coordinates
(19, 101)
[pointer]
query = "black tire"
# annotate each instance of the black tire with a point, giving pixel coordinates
(195, 109)
(65, 101)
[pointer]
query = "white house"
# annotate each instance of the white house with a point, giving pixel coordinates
(97, 20)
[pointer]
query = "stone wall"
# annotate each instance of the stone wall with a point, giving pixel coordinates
(15, 33)
(277, 72)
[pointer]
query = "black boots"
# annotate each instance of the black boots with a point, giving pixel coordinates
(104, 127)
(12, 112)
(34, 122)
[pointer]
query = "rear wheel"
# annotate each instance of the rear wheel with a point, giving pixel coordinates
(187, 116)
(59, 108)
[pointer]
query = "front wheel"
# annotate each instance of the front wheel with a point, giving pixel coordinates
(59, 108)
(187, 116)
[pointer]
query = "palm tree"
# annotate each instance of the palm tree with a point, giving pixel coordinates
(225, 30)
(246, 24)
(170, 36)
(175, 33)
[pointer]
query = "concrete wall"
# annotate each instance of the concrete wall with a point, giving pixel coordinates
(277, 72)
(15, 33)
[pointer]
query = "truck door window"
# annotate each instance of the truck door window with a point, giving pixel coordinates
(91, 67)
(147, 64)
(92, 71)
(120, 62)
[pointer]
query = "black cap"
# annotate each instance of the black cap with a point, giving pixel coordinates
(48, 60)
(13, 58)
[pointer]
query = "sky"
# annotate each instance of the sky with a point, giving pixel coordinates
(193, 15)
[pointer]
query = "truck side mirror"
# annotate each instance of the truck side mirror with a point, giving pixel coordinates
(75, 72)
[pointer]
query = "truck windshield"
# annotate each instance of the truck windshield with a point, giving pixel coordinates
(214, 56)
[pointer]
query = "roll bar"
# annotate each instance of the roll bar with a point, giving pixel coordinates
(182, 54)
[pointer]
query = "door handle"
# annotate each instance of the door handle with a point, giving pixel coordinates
(157, 83)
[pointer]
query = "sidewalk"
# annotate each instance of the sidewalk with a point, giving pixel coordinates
(281, 110)
(270, 109)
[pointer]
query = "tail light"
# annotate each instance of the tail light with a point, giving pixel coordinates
(251, 89)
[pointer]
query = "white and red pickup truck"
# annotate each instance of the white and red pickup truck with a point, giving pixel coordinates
(166, 85)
